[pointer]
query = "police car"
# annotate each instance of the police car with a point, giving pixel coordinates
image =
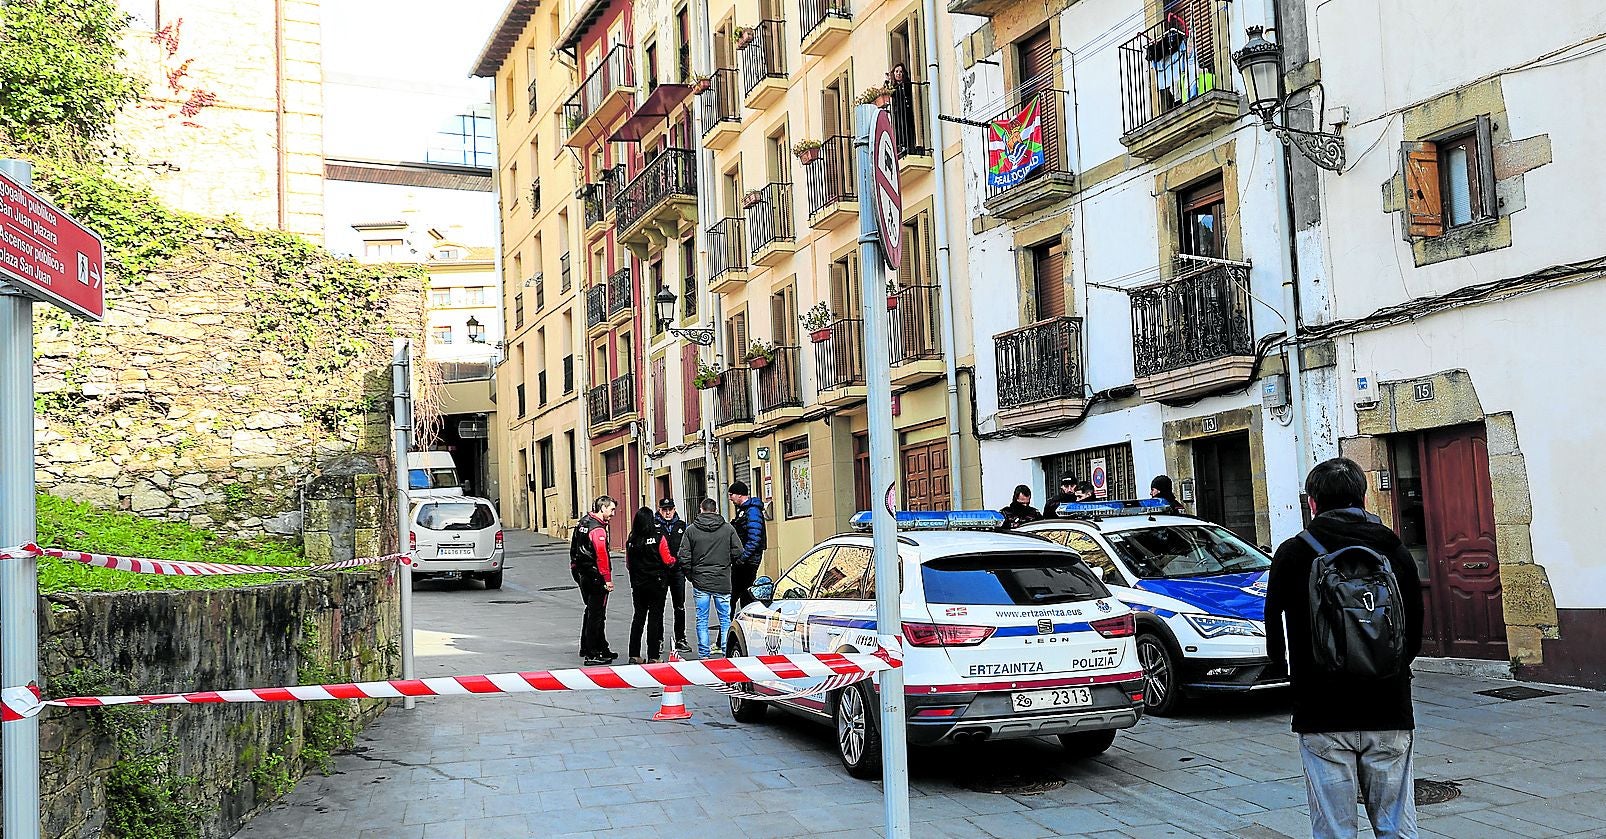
(1003, 637)
(1198, 592)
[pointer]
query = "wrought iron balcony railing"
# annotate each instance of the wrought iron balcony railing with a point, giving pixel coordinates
(1175, 61)
(596, 205)
(1199, 317)
(622, 399)
(916, 324)
(812, 13)
(1040, 362)
(780, 383)
(535, 197)
(597, 405)
(770, 220)
(596, 305)
(834, 177)
(616, 71)
(908, 111)
(672, 172)
(621, 291)
(765, 57)
(733, 401)
(727, 247)
(839, 359)
(720, 102)
(1051, 114)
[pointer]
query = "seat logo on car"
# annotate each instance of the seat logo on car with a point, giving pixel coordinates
(1045, 626)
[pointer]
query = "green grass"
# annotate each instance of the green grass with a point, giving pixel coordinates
(81, 527)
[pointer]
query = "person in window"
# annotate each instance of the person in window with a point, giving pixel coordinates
(903, 110)
(1020, 510)
(648, 558)
(1160, 488)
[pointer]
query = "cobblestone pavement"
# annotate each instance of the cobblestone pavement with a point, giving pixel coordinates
(594, 765)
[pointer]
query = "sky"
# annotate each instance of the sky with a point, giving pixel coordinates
(396, 70)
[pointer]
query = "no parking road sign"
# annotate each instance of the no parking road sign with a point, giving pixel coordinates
(888, 189)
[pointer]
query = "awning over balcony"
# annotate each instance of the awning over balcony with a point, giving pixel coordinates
(658, 105)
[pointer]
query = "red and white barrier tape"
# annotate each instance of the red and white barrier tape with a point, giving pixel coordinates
(830, 684)
(184, 568)
(22, 702)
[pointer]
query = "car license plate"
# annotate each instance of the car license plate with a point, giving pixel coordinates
(1044, 700)
(451, 550)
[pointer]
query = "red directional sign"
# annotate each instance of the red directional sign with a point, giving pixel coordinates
(888, 189)
(47, 255)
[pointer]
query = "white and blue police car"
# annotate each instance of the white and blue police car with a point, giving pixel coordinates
(1197, 590)
(1003, 637)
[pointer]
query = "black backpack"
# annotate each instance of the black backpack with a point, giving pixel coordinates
(1357, 617)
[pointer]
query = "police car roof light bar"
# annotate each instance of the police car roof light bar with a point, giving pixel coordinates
(935, 520)
(1106, 509)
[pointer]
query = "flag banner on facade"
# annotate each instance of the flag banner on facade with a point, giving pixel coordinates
(1015, 146)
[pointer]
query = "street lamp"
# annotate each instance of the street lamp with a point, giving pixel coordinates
(664, 301)
(1260, 62)
(476, 330)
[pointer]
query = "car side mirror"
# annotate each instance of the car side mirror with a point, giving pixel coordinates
(763, 590)
(1100, 570)
(1265, 549)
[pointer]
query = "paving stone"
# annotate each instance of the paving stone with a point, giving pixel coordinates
(1010, 826)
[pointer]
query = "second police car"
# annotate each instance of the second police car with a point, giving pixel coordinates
(1003, 637)
(1198, 591)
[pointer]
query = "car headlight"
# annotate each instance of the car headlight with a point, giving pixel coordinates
(1211, 626)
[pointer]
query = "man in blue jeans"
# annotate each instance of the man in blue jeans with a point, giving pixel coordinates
(1355, 735)
(707, 552)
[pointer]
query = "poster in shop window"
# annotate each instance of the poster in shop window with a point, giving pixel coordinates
(799, 494)
(1015, 146)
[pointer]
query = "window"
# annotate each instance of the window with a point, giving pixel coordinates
(475, 296)
(382, 248)
(1449, 180)
(1200, 211)
(796, 582)
(518, 310)
(1048, 279)
(1186, 551)
(455, 516)
(688, 275)
(799, 488)
(1009, 579)
(441, 334)
(844, 579)
(440, 297)
(549, 470)
(683, 28)
(1091, 553)
(651, 63)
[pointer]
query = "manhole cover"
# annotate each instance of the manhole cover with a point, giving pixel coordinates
(1026, 782)
(1435, 792)
(558, 588)
(1517, 692)
(508, 602)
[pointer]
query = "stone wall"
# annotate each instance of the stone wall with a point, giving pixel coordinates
(224, 763)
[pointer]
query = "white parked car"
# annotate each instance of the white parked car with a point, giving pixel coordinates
(460, 535)
(432, 475)
(1003, 637)
(1198, 591)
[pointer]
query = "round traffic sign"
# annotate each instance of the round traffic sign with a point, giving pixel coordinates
(888, 189)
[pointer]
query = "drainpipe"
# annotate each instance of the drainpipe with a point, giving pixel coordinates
(279, 110)
(1289, 255)
(956, 469)
(702, 25)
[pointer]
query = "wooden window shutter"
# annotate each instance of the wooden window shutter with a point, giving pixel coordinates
(907, 276)
(693, 404)
(660, 400)
(1050, 281)
(739, 349)
(1424, 208)
(1489, 202)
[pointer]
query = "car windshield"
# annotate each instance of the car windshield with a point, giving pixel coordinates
(456, 516)
(1193, 550)
(1010, 579)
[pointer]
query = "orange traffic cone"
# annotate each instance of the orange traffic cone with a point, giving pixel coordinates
(674, 705)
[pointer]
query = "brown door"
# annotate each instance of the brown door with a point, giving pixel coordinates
(861, 472)
(925, 476)
(1464, 584)
(613, 463)
(1225, 488)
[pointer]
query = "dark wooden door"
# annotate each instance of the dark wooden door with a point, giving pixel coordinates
(1224, 483)
(618, 489)
(1459, 515)
(861, 471)
(925, 476)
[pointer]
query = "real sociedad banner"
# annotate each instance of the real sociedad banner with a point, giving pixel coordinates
(1015, 146)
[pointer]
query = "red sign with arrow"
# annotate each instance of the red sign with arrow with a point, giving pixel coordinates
(49, 256)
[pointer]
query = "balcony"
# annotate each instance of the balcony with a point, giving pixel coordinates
(597, 408)
(764, 65)
(596, 306)
(833, 184)
(908, 110)
(770, 232)
(595, 202)
(535, 198)
(603, 96)
(733, 404)
(915, 327)
(1193, 335)
(622, 397)
(1176, 80)
(1012, 195)
(826, 24)
(727, 255)
(722, 111)
(565, 276)
(1040, 373)
(839, 363)
(780, 387)
(979, 8)
(621, 296)
(656, 202)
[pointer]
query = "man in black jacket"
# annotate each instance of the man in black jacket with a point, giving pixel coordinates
(749, 524)
(1355, 735)
(674, 529)
(591, 568)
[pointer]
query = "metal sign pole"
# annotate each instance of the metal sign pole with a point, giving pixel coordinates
(401, 385)
(19, 578)
(884, 529)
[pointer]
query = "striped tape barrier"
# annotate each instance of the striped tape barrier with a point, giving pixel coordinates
(22, 702)
(185, 568)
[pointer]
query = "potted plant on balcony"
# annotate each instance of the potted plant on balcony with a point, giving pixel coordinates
(879, 96)
(707, 376)
(743, 35)
(759, 354)
(892, 294)
(817, 322)
(752, 198)
(807, 151)
(701, 83)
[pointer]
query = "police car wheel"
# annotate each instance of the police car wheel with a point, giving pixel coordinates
(1088, 743)
(745, 710)
(857, 740)
(1160, 691)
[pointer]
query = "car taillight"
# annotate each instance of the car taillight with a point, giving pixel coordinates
(1121, 627)
(945, 635)
(498, 540)
(412, 541)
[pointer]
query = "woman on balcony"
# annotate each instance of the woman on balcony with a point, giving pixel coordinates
(903, 109)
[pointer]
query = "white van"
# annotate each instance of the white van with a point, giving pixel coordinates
(461, 536)
(432, 475)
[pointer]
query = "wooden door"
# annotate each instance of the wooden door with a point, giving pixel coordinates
(613, 463)
(1458, 508)
(1225, 489)
(861, 471)
(925, 476)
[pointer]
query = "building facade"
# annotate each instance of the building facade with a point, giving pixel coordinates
(1128, 288)
(545, 470)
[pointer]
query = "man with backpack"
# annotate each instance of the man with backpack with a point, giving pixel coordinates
(1344, 608)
